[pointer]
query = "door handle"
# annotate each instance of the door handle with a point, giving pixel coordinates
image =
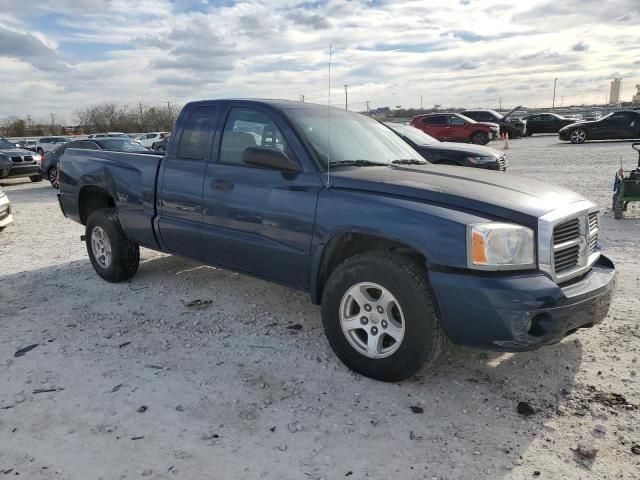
(225, 185)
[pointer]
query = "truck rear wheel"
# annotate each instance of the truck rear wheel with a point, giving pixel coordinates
(113, 256)
(380, 316)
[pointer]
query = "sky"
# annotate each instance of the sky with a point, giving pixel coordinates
(60, 55)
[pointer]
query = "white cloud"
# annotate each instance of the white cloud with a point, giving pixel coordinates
(390, 52)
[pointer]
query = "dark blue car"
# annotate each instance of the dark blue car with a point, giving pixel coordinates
(401, 254)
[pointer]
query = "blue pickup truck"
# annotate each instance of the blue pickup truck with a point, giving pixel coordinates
(401, 254)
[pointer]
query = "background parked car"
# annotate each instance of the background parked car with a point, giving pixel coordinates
(454, 127)
(49, 165)
(616, 125)
(107, 135)
(445, 153)
(593, 116)
(5, 210)
(161, 146)
(509, 124)
(47, 144)
(28, 144)
(546, 123)
(17, 162)
(148, 139)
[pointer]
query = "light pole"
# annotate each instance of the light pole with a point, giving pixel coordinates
(553, 104)
(346, 97)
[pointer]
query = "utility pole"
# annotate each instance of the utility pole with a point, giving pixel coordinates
(368, 102)
(346, 97)
(420, 102)
(561, 101)
(553, 104)
(500, 104)
(302, 97)
(169, 107)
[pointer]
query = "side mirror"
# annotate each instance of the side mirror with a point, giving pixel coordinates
(269, 158)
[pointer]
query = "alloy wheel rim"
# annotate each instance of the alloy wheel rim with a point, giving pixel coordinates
(53, 173)
(578, 135)
(101, 247)
(372, 320)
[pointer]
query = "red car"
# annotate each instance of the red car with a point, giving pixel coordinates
(453, 127)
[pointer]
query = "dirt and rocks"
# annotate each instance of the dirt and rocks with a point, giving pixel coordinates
(192, 372)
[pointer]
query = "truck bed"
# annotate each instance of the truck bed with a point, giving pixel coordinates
(129, 178)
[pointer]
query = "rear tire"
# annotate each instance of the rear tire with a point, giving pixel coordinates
(618, 207)
(36, 178)
(479, 138)
(402, 334)
(114, 257)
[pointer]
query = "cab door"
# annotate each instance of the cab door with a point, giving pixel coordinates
(181, 179)
(258, 220)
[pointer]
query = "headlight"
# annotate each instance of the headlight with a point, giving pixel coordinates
(500, 246)
(37, 157)
(479, 159)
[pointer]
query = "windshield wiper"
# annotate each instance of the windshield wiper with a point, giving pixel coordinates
(409, 161)
(358, 163)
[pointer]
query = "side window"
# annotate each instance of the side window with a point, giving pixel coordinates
(194, 143)
(456, 121)
(244, 128)
(435, 120)
(45, 140)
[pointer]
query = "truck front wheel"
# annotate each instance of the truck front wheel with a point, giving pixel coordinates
(113, 256)
(380, 316)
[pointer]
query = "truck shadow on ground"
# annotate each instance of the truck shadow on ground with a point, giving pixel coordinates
(458, 421)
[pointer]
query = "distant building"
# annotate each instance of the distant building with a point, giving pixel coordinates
(636, 97)
(614, 94)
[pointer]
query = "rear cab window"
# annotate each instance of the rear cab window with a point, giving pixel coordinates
(197, 134)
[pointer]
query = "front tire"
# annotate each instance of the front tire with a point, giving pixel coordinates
(114, 257)
(479, 138)
(52, 175)
(40, 151)
(380, 316)
(578, 135)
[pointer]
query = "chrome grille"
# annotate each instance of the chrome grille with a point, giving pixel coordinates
(594, 232)
(566, 232)
(566, 248)
(567, 258)
(502, 162)
(568, 240)
(16, 159)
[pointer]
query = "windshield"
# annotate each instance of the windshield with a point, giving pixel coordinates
(350, 138)
(121, 145)
(4, 143)
(416, 136)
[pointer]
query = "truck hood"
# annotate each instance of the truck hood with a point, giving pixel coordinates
(498, 194)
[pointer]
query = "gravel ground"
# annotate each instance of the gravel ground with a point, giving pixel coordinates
(192, 372)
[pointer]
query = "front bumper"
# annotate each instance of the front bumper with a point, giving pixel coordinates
(564, 135)
(5, 212)
(12, 171)
(521, 312)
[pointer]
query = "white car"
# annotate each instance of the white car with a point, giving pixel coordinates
(5, 210)
(107, 135)
(148, 139)
(47, 144)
